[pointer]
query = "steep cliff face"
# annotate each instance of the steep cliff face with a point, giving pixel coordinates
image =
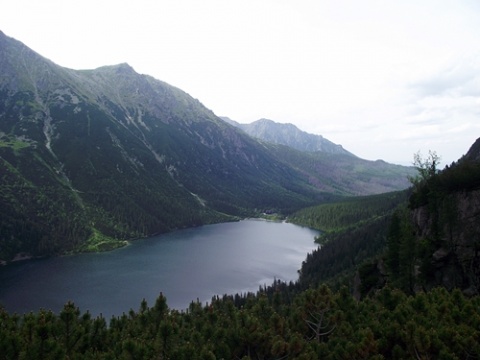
(452, 230)
(446, 223)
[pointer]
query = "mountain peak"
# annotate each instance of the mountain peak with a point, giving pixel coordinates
(290, 135)
(122, 68)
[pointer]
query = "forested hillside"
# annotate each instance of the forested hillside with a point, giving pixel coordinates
(414, 240)
(92, 158)
(394, 319)
(354, 233)
(348, 212)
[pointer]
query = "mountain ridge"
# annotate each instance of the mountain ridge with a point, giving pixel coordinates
(92, 157)
(289, 135)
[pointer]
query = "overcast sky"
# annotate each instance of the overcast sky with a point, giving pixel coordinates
(385, 79)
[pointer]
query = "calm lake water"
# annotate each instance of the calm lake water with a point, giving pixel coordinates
(185, 265)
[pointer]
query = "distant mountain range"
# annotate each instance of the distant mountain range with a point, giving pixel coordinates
(289, 135)
(89, 158)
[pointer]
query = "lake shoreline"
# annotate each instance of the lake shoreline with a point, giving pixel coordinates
(201, 262)
(119, 244)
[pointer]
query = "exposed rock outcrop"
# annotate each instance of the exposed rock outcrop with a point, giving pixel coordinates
(453, 228)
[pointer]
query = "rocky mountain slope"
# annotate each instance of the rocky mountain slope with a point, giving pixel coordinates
(436, 241)
(89, 158)
(449, 220)
(454, 261)
(289, 135)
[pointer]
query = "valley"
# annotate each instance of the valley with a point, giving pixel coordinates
(91, 159)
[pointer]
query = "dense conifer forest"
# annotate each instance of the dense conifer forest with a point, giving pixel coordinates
(314, 324)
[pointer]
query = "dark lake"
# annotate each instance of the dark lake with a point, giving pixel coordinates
(185, 265)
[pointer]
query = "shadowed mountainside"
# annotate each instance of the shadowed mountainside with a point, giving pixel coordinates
(89, 158)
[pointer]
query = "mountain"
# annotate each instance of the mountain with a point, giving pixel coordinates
(89, 158)
(290, 135)
(473, 153)
(328, 166)
(444, 214)
(416, 240)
